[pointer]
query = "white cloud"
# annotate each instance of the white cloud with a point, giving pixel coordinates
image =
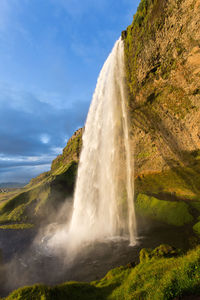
(45, 138)
(29, 159)
(22, 174)
(57, 150)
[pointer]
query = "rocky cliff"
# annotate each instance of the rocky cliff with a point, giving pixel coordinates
(162, 56)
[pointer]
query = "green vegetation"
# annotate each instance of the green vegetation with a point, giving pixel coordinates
(162, 275)
(163, 250)
(17, 226)
(196, 228)
(174, 213)
(179, 182)
(70, 152)
(195, 205)
(143, 155)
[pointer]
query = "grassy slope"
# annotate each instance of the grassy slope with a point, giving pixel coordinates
(159, 275)
(46, 192)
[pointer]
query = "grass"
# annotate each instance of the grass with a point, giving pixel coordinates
(17, 226)
(173, 213)
(161, 276)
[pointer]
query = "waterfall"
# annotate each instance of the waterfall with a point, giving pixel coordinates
(104, 192)
(103, 199)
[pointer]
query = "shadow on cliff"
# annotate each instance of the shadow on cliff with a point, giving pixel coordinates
(182, 163)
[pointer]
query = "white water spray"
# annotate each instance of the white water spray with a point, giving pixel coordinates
(103, 200)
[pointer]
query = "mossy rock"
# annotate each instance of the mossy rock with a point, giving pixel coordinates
(169, 212)
(179, 182)
(163, 250)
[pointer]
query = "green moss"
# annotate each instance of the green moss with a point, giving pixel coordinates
(17, 226)
(145, 254)
(195, 205)
(39, 179)
(35, 292)
(143, 155)
(159, 278)
(196, 228)
(170, 95)
(179, 182)
(174, 213)
(13, 203)
(43, 198)
(163, 250)
(70, 153)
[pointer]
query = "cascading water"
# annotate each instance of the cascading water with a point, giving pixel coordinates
(103, 200)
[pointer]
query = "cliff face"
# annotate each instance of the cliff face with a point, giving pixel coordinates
(162, 54)
(44, 194)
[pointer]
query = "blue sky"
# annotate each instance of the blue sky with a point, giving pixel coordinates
(51, 52)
